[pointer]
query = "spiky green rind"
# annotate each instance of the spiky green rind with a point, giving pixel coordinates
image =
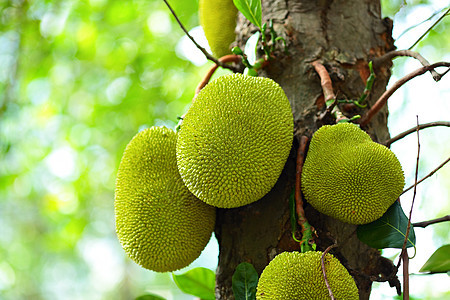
(160, 224)
(298, 276)
(348, 176)
(218, 20)
(234, 140)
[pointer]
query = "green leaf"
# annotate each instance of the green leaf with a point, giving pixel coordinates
(251, 9)
(199, 282)
(389, 231)
(244, 282)
(149, 297)
(250, 72)
(251, 47)
(439, 261)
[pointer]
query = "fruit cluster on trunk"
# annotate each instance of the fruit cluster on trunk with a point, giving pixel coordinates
(344, 36)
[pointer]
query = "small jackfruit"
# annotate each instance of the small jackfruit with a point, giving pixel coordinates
(160, 224)
(234, 140)
(348, 176)
(298, 276)
(218, 20)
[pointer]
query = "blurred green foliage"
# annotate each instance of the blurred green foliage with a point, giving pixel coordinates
(78, 79)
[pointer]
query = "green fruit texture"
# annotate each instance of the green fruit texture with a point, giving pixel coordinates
(348, 176)
(160, 224)
(234, 140)
(218, 20)
(298, 276)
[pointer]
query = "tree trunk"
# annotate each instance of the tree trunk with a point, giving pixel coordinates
(344, 36)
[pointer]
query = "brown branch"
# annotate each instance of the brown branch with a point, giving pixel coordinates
(209, 74)
(203, 50)
(322, 263)
(430, 222)
(409, 131)
(325, 80)
(383, 99)
(393, 54)
(428, 175)
(405, 259)
(301, 152)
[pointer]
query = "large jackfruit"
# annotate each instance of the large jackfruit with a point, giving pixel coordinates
(218, 20)
(234, 140)
(160, 224)
(348, 176)
(298, 276)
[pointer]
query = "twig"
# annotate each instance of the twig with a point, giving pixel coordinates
(209, 74)
(408, 228)
(420, 23)
(383, 99)
(416, 174)
(405, 259)
(443, 74)
(429, 29)
(428, 175)
(325, 81)
(322, 262)
(208, 56)
(409, 131)
(430, 222)
(393, 54)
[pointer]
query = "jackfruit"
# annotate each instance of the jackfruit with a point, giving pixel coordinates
(348, 176)
(298, 276)
(218, 20)
(234, 140)
(160, 224)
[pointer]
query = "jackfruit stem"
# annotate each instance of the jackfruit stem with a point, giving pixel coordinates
(203, 50)
(210, 73)
(293, 216)
(307, 241)
(301, 152)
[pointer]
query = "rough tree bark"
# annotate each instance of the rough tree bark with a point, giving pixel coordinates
(344, 35)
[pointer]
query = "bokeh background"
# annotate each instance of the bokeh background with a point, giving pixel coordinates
(78, 79)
